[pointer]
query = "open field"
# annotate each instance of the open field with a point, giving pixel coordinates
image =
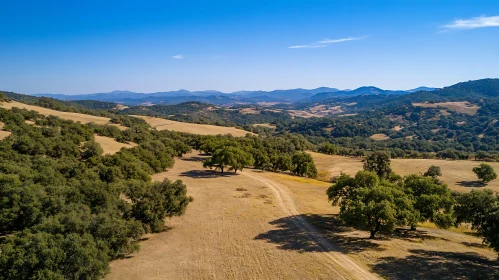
(63, 115)
(111, 146)
(268, 125)
(379, 137)
(459, 107)
(457, 174)
(262, 225)
(202, 129)
(3, 133)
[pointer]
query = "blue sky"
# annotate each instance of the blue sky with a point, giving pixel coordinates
(90, 46)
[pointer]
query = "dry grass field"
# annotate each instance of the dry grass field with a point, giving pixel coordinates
(457, 174)
(459, 107)
(262, 225)
(268, 125)
(230, 232)
(379, 137)
(111, 146)
(3, 133)
(202, 129)
(63, 115)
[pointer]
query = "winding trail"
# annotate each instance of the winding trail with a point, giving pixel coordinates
(331, 253)
(233, 230)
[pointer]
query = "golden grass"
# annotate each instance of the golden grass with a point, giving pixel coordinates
(397, 128)
(3, 133)
(234, 229)
(458, 175)
(202, 129)
(463, 107)
(379, 137)
(249, 111)
(63, 115)
(111, 146)
(268, 125)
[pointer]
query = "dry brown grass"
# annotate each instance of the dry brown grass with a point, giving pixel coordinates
(63, 115)
(379, 137)
(249, 111)
(243, 227)
(268, 125)
(463, 107)
(224, 234)
(3, 133)
(202, 129)
(111, 146)
(397, 128)
(457, 174)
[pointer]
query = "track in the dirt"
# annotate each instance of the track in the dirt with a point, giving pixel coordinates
(336, 260)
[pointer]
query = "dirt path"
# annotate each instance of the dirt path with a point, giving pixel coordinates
(230, 231)
(331, 254)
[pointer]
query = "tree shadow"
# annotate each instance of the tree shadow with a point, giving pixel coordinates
(471, 184)
(194, 159)
(207, 174)
(291, 235)
(426, 264)
(474, 244)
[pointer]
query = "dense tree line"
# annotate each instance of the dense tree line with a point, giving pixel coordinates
(377, 200)
(66, 210)
(283, 153)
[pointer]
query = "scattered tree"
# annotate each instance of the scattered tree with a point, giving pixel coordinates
(303, 165)
(433, 171)
(379, 163)
(485, 172)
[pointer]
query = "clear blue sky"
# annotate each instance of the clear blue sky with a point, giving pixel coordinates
(146, 46)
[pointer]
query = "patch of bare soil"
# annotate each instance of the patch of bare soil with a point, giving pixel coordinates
(379, 137)
(63, 115)
(202, 129)
(268, 125)
(463, 107)
(111, 146)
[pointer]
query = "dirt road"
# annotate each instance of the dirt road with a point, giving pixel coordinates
(231, 231)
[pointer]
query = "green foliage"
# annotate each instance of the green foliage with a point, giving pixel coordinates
(433, 171)
(485, 172)
(62, 208)
(232, 157)
(481, 210)
(379, 163)
(366, 202)
(153, 202)
(432, 200)
(328, 149)
(303, 165)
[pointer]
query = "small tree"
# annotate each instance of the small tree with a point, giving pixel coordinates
(379, 163)
(485, 172)
(303, 165)
(433, 171)
(232, 157)
(329, 149)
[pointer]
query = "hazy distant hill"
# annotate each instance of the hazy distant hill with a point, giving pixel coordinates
(220, 98)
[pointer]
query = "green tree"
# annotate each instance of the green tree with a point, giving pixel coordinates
(433, 171)
(368, 203)
(432, 200)
(328, 148)
(91, 149)
(379, 163)
(485, 172)
(481, 210)
(232, 157)
(303, 165)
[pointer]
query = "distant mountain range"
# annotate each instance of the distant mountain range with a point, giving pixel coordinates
(221, 98)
